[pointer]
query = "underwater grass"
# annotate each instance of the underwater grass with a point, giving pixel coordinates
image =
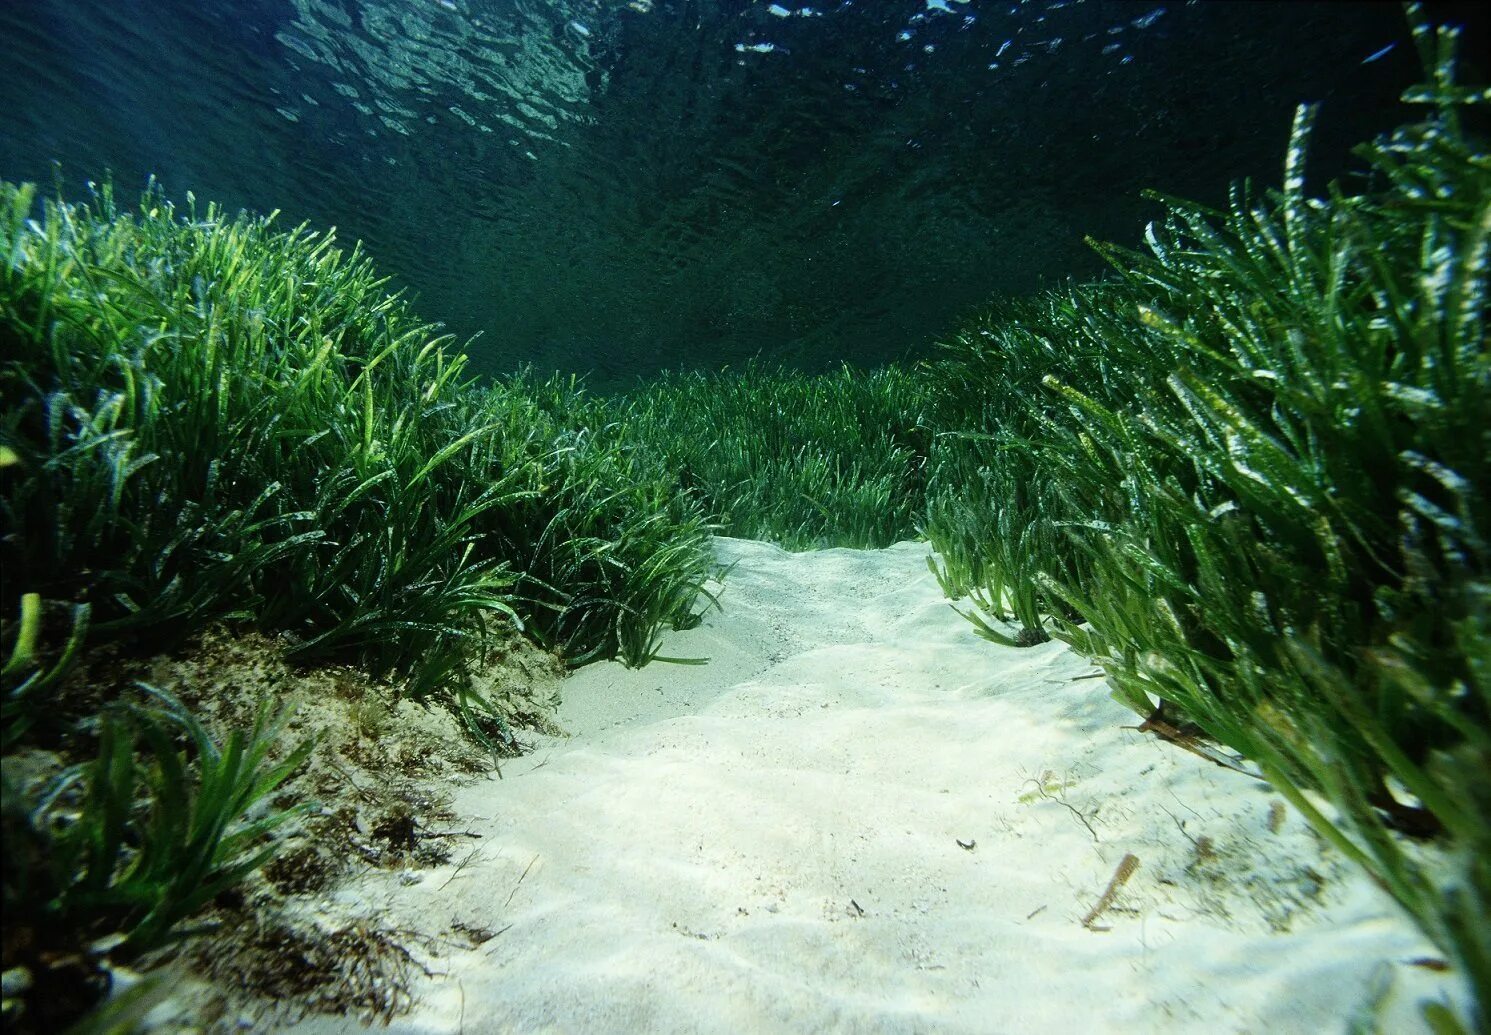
(618, 551)
(109, 858)
(209, 419)
(996, 485)
(1248, 475)
(204, 419)
(1257, 479)
(807, 461)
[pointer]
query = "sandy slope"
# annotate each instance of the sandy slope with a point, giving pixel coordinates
(770, 842)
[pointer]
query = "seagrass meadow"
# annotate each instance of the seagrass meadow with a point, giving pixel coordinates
(282, 555)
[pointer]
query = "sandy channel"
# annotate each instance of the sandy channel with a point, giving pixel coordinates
(858, 817)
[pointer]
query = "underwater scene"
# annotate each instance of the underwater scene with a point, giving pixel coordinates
(872, 516)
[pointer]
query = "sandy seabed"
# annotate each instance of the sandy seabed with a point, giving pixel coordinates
(859, 817)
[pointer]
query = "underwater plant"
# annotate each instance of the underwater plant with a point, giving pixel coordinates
(615, 551)
(1270, 463)
(995, 490)
(106, 859)
(806, 461)
(206, 420)
(211, 419)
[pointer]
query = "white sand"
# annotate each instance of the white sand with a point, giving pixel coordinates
(770, 842)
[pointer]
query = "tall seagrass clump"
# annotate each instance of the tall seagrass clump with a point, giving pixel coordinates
(807, 461)
(205, 419)
(1254, 484)
(614, 550)
(210, 419)
(989, 516)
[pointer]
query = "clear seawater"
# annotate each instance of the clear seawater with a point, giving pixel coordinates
(613, 187)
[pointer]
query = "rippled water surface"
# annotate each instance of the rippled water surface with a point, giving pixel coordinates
(616, 187)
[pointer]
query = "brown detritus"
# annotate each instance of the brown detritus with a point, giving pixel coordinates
(398, 830)
(1043, 791)
(1217, 872)
(379, 772)
(1431, 963)
(1276, 814)
(304, 868)
(473, 935)
(1187, 736)
(521, 878)
(1203, 852)
(1126, 867)
(289, 969)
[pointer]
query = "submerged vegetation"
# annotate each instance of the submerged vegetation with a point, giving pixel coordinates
(830, 460)
(211, 419)
(203, 420)
(1249, 475)
(127, 875)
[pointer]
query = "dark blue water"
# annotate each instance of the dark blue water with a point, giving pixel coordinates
(615, 187)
